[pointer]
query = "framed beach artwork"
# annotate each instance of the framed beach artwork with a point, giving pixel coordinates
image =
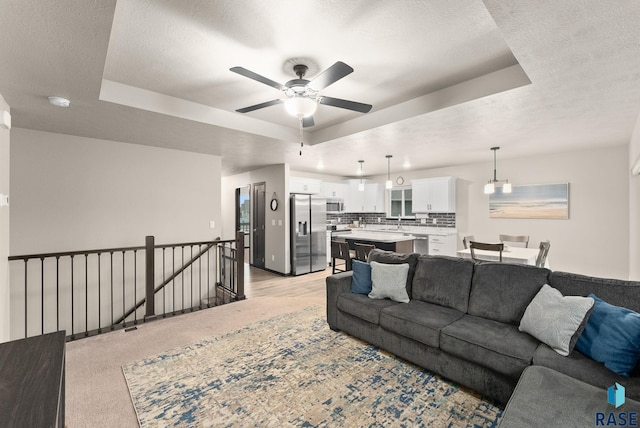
(548, 201)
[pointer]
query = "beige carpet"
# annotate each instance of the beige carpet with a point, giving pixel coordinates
(292, 370)
(96, 391)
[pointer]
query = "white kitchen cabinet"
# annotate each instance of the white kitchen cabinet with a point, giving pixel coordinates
(309, 186)
(442, 245)
(436, 194)
(369, 200)
(334, 190)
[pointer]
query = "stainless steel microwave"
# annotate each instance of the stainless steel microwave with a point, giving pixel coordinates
(335, 205)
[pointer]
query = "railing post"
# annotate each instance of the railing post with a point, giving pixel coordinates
(240, 265)
(150, 310)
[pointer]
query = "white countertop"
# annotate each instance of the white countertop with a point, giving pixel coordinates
(414, 230)
(377, 237)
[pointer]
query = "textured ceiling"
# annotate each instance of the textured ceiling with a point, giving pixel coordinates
(447, 78)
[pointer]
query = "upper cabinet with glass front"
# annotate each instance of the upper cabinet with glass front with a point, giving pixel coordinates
(436, 194)
(401, 204)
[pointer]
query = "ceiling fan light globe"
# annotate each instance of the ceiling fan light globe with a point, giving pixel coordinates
(300, 106)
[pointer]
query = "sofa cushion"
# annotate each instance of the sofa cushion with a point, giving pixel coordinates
(390, 257)
(612, 337)
(489, 343)
(443, 280)
(419, 321)
(614, 291)
(361, 278)
(389, 281)
(555, 319)
(547, 398)
(502, 291)
(581, 367)
(363, 307)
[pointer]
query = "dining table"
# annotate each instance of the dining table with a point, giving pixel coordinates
(510, 254)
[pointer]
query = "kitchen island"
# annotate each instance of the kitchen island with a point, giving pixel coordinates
(383, 240)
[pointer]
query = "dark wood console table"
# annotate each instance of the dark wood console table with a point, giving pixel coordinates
(32, 381)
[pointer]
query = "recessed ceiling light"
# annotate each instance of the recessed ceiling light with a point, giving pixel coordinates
(59, 101)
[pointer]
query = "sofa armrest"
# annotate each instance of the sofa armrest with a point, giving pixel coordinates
(336, 285)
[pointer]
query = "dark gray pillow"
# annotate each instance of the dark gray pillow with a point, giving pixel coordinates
(617, 292)
(390, 257)
(502, 291)
(442, 280)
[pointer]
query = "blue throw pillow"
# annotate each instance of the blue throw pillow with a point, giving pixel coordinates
(612, 337)
(361, 278)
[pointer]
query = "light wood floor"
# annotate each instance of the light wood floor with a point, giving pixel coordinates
(259, 283)
(96, 390)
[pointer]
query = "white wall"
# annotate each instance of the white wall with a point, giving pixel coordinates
(5, 305)
(75, 193)
(276, 177)
(634, 206)
(599, 207)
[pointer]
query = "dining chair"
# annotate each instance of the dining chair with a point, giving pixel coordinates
(466, 240)
(362, 251)
(515, 238)
(541, 260)
(340, 251)
(473, 245)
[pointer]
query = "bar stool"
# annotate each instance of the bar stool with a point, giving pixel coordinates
(362, 251)
(340, 251)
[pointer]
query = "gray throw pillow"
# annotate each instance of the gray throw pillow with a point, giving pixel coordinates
(389, 281)
(556, 320)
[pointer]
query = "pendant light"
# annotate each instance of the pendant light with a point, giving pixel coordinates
(388, 184)
(361, 185)
(490, 187)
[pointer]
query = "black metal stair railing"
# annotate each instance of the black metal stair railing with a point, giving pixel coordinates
(93, 291)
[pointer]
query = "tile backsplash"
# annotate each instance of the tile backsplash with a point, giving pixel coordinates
(442, 219)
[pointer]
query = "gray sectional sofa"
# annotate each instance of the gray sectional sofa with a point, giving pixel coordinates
(462, 320)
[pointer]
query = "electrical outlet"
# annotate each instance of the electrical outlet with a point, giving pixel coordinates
(423, 221)
(212, 224)
(435, 221)
(379, 220)
(273, 258)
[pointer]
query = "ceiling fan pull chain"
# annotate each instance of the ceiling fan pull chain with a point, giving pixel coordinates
(301, 139)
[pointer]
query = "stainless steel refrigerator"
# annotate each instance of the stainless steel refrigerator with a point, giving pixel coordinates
(308, 233)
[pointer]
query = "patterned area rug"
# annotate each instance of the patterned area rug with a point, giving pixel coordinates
(293, 370)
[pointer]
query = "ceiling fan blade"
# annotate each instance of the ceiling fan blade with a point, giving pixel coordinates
(331, 75)
(307, 122)
(349, 105)
(259, 106)
(255, 76)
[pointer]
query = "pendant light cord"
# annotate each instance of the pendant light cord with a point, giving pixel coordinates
(495, 176)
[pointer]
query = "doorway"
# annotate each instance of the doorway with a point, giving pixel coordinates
(258, 244)
(243, 217)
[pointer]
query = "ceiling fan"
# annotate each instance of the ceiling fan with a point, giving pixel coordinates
(302, 95)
